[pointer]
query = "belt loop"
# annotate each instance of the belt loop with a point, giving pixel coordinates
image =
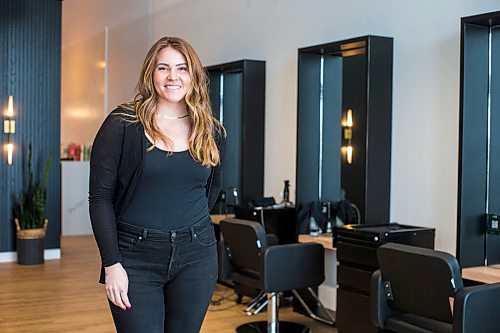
(144, 233)
(193, 234)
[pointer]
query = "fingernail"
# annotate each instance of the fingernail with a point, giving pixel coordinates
(129, 307)
(124, 309)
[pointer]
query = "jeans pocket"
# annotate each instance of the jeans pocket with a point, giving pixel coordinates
(206, 236)
(128, 241)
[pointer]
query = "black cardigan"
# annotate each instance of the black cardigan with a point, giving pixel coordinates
(115, 166)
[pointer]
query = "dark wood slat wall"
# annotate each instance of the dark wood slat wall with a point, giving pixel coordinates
(30, 70)
(5, 238)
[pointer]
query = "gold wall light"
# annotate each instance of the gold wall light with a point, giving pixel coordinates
(9, 128)
(347, 124)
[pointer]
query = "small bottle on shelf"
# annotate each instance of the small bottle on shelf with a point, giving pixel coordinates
(286, 195)
(314, 229)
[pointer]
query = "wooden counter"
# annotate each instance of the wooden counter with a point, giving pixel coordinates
(325, 240)
(216, 218)
(483, 274)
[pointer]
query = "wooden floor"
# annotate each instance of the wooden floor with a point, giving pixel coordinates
(63, 296)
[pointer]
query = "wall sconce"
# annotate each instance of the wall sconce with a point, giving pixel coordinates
(9, 128)
(347, 124)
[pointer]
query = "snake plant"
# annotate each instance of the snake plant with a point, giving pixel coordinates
(30, 209)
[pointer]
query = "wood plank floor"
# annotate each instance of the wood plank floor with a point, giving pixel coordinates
(63, 296)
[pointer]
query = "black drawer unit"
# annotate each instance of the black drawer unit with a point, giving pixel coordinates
(356, 252)
(281, 222)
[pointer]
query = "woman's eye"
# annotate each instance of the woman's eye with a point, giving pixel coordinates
(162, 68)
(182, 68)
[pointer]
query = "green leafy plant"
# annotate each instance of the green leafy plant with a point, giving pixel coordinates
(30, 209)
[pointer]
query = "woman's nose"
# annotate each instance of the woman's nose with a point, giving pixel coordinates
(172, 74)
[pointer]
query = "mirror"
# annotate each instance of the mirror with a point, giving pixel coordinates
(355, 75)
(479, 160)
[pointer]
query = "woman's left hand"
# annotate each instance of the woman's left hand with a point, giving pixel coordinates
(117, 286)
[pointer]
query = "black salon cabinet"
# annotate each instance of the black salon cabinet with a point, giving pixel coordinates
(356, 252)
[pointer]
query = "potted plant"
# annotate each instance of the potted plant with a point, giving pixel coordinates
(29, 217)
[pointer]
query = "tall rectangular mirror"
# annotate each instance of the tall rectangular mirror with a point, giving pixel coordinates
(344, 124)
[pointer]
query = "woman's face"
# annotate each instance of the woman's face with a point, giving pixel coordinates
(171, 76)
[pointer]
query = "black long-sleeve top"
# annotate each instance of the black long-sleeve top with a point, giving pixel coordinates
(115, 166)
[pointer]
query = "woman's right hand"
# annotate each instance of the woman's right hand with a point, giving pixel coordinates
(117, 285)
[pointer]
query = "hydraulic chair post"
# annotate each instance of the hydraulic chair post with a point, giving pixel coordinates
(272, 313)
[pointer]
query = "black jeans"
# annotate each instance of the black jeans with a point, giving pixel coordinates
(172, 276)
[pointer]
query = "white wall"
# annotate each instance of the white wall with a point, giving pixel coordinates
(75, 198)
(426, 77)
(92, 87)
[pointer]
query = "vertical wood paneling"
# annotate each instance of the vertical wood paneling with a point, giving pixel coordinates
(30, 71)
(4, 193)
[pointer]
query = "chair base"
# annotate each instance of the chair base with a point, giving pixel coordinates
(261, 327)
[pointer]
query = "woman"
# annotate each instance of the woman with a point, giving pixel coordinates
(154, 176)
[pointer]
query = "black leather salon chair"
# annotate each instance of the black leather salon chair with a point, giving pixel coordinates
(418, 290)
(272, 269)
(259, 298)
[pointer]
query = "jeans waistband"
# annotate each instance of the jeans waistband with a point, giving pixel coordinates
(148, 233)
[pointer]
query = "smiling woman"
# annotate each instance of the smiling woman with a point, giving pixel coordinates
(172, 82)
(155, 175)
(171, 78)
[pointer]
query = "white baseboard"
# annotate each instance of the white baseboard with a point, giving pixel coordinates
(48, 254)
(52, 254)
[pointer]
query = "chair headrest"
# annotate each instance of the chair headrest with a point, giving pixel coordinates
(421, 280)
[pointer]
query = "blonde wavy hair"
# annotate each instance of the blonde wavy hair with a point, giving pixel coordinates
(203, 125)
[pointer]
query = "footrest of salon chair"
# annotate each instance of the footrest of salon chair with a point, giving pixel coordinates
(261, 327)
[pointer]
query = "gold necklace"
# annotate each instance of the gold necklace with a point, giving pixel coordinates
(171, 118)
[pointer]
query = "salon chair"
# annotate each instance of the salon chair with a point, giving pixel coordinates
(418, 290)
(225, 267)
(272, 269)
